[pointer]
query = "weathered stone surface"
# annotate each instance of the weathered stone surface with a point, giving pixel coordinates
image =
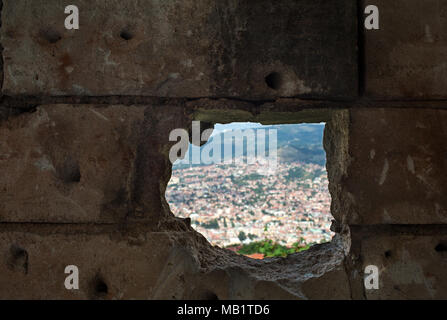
(174, 262)
(315, 274)
(84, 184)
(396, 174)
(410, 267)
(33, 265)
(281, 112)
(255, 49)
(406, 57)
(156, 265)
(336, 145)
(68, 163)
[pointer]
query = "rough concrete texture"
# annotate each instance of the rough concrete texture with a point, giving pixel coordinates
(336, 144)
(411, 267)
(404, 152)
(145, 252)
(136, 264)
(57, 162)
(83, 177)
(406, 58)
(181, 48)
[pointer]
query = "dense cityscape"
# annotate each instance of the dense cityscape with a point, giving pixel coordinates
(234, 204)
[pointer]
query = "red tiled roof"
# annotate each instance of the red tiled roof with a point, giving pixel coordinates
(258, 256)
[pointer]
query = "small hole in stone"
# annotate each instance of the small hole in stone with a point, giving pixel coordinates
(388, 254)
(210, 296)
(70, 172)
(101, 287)
(274, 80)
(441, 247)
(251, 208)
(18, 260)
(51, 35)
(126, 35)
(200, 294)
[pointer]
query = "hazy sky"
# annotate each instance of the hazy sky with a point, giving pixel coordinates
(218, 128)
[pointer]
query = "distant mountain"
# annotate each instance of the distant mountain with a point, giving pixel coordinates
(296, 142)
(302, 143)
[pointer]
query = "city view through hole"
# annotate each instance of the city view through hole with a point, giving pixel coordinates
(239, 205)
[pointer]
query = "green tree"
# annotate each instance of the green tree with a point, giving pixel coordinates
(242, 236)
(271, 249)
(213, 224)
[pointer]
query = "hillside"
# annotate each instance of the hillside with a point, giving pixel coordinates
(296, 142)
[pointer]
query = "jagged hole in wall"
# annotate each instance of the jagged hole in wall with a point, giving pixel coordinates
(257, 209)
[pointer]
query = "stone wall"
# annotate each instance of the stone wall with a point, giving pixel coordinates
(85, 117)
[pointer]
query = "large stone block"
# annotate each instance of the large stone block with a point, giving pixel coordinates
(406, 57)
(410, 267)
(396, 168)
(110, 266)
(68, 163)
(178, 48)
(134, 263)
